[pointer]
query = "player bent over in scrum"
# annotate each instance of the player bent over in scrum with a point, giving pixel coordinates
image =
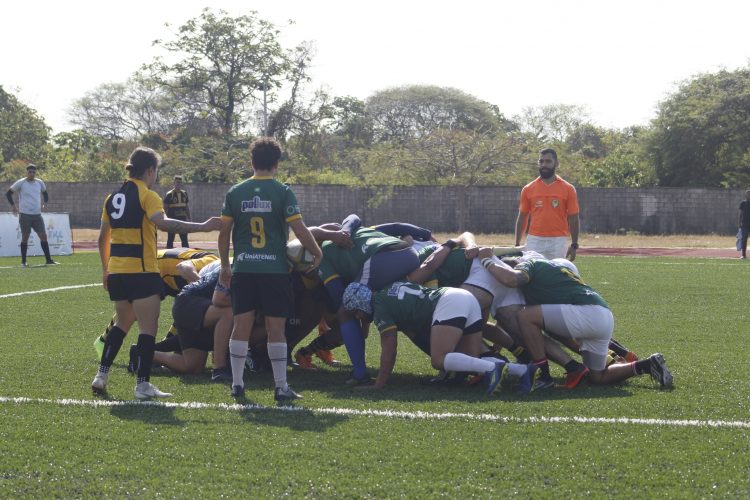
(563, 305)
(444, 322)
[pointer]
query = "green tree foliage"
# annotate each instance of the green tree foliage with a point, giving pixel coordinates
(701, 135)
(552, 123)
(23, 133)
(226, 64)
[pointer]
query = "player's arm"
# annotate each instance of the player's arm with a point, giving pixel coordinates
(9, 196)
(739, 221)
(388, 350)
(521, 222)
(180, 226)
(225, 234)
(502, 273)
(103, 243)
(432, 263)
(45, 198)
(187, 271)
(305, 237)
(401, 229)
(574, 224)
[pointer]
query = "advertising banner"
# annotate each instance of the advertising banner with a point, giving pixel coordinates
(59, 235)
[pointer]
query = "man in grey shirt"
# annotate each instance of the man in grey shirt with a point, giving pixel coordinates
(29, 211)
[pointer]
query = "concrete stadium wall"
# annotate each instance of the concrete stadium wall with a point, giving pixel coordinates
(488, 209)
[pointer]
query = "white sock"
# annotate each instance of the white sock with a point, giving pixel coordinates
(237, 356)
(516, 369)
(459, 362)
(278, 356)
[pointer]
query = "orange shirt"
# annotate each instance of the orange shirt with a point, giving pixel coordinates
(549, 206)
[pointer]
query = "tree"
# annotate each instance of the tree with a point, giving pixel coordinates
(701, 135)
(227, 64)
(551, 123)
(402, 114)
(23, 133)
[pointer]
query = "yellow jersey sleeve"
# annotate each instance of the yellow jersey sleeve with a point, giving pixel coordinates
(152, 204)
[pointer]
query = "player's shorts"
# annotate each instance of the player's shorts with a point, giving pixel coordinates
(590, 325)
(458, 308)
(134, 286)
(552, 247)
(27, 222)
(270, 293)
(188, 312)
(386, 266)
(480, 277)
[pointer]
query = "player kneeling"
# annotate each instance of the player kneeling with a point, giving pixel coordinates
(445, 323)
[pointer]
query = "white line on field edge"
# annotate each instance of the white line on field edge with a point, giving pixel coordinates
(32, 292)
(407, 415)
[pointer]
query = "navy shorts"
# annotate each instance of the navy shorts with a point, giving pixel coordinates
(386, 266)
(135, 286)
(270, 294)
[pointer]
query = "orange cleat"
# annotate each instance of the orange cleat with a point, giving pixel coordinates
(304, 361)
(327, 357)
(572, 379)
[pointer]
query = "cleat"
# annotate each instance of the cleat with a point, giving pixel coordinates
(630, 357)
(238, 391)
(99, 347)
(541, 383)
(133, 361)
(572, 379)
(304, 361)
(99, 385)
(223, 374)
(147, 390)
(287, 395)
(327, 357)
(659, 371)
(495, 376)
(526, 382)
(23, 264)
(355, 382)
(475, 379)
(51, 263)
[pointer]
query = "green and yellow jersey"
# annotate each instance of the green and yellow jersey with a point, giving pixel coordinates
(346, 263)
(405, 307)
(551, 283)
(453, 271)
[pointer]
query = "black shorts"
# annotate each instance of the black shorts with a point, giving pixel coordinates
(188, 312)
(27, 222)
(135, 286)
(269, 293)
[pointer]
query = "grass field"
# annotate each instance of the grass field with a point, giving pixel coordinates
(411, 440)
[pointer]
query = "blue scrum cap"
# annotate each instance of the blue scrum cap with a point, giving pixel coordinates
(358, 297)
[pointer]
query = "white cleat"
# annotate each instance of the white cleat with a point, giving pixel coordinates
(147, 390)
(99, 385)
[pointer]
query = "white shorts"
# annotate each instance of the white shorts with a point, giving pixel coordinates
(480, 277)
(592, 326)
(552, 247)
(457, 304)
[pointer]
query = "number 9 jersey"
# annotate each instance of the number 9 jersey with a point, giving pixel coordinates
(128, 211)
(260, 209)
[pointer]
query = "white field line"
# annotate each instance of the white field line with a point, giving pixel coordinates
(45, 290)
(406, 415)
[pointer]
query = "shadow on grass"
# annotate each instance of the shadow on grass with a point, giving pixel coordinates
(150, 414)
(296, 418)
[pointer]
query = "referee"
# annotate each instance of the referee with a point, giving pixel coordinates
(176, 207)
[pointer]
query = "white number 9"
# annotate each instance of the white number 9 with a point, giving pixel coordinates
(118, 202)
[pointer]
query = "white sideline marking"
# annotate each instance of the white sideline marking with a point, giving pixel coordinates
(71, 287)
(407, 415)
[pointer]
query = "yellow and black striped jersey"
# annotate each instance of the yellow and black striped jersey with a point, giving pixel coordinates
(128, 211)
(176, 203)
(168, 260)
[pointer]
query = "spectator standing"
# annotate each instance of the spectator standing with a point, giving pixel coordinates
(32, 200)
(176, 207)
(552, 204)
(744, 222)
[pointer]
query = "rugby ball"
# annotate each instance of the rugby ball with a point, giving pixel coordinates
(299, 258)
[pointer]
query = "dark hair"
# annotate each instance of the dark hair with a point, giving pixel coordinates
(548, 151)
(142, 159)
(265, 152)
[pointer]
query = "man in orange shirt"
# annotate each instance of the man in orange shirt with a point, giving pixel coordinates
(552, 204)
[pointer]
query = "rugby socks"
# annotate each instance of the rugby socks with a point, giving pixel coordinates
(319, 344)
(24, 248)
(520, 353)
(641, 367)
(112, 344)
(573, 366)
(278, 356)
(618, 348)
(543, 366)
(351, 333)
(45, 249)
(145, 350)
(237, 356)
(169, 344)
(459, 362)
